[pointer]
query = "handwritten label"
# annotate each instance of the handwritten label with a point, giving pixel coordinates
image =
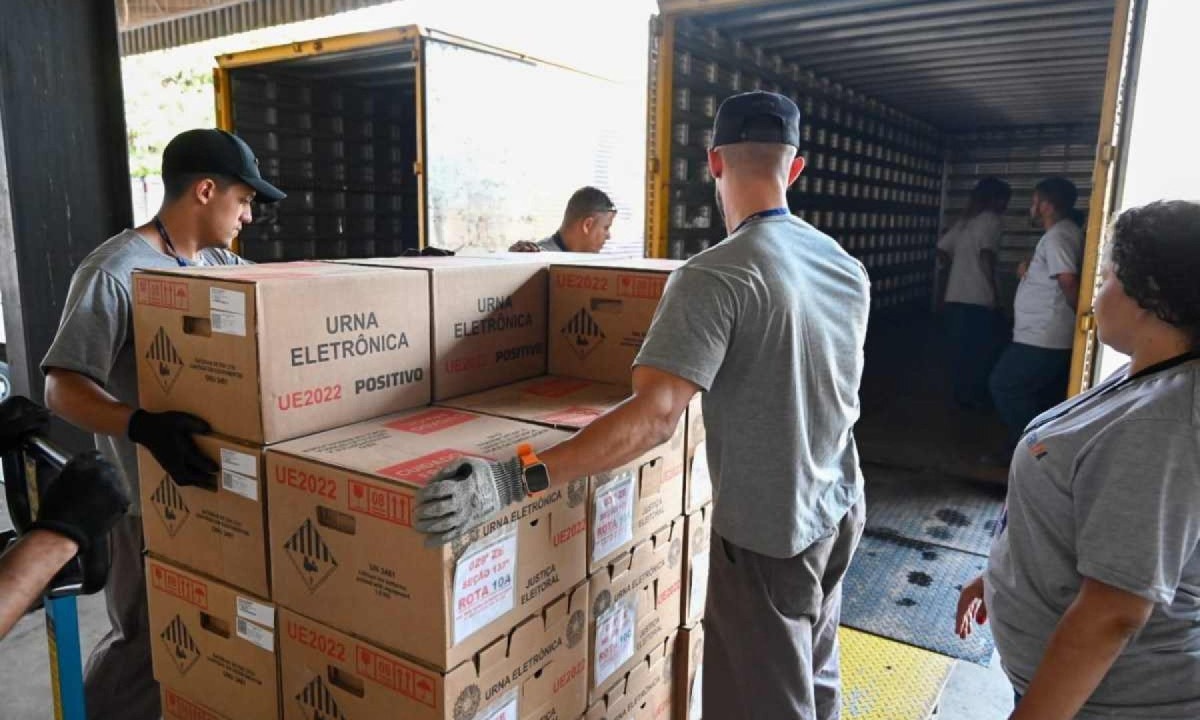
(485, 583)
(615, 632)
(613, 511)
(256, 612)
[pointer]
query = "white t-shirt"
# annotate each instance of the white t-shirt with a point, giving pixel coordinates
(969, 282)
(1043, 317)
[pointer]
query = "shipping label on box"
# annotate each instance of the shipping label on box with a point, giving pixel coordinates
(698, 532)
(347, 554)
(211, 641)
(599, 316)
(266, 353)
(177, 707)
(698, 489)
(221, 533)
(635, 604)
(535, 670)
(625, 505)
(646, 691)
(689, 668)
(489, 320)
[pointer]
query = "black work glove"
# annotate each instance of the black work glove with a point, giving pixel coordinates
(168, 437)
(84, 501)
(19, 418)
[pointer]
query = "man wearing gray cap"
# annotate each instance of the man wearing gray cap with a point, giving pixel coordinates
(769, 325)
(210, 178)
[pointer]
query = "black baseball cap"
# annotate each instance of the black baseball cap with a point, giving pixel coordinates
(757, 117)
(221, 153)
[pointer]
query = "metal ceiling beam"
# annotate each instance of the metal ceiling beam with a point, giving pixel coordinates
(966, 72)
(1086, 48)
(1037, 15)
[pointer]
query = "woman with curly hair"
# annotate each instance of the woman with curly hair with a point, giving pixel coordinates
(1093, 584)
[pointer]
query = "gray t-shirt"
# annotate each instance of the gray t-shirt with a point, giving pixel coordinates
(95, 335)
(1043, 317)
(1108, 487)
(771, 324)
(969, 281)
(551, 244)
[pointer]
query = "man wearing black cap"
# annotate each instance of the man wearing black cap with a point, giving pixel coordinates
(769, 325)
(210, 178)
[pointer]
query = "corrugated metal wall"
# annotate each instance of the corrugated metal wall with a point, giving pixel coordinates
(231, 20)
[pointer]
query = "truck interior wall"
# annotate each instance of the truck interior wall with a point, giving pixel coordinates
(343, 151)
(874, 174)
(1020, 156)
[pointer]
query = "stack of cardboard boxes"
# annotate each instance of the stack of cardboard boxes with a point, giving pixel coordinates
(299, 587)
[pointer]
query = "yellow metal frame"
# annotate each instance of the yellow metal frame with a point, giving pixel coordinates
(658, 164)
(1100, 204)
(321, 46)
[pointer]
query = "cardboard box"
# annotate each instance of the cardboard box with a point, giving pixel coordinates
(548, 257)
(267, 353)
(212, 642)
(489, 320)
(177, 707)
(537, 670)
(697, 482)
(221, 533)
(646, 691)
(635, 604)
(599, 316)
(689, 670)
(626, 504)
(346, 552)
(698, 534)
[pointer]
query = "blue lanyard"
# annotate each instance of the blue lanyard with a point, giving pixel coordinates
(773, 212)
(162, 231)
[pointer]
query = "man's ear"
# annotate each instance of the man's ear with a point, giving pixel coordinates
(716, 164)
(205, 190)
(795, 170)
(588, 224)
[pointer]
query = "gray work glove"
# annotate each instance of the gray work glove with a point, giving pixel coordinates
(464, 494)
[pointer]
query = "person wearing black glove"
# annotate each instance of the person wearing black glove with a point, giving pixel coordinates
(21, 417)
(77, 510)
(168, 437)
(211, 182)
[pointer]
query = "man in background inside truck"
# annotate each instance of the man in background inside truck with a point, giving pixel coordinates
(586, 225)
(969, 250)
(770, 325)
(1031, 376)
(210, 178)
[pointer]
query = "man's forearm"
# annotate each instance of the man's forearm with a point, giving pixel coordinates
(618, 437)
(80, 401)
(1080, 652)
(26, 569)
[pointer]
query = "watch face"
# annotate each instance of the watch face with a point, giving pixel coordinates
(536, 478)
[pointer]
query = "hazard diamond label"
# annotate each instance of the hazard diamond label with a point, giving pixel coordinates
(317, 702)
(310, 555)
(183, 649)
(164, 361)
(168, 501)
(583, 332)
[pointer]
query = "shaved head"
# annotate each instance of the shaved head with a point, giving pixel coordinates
(757, 160)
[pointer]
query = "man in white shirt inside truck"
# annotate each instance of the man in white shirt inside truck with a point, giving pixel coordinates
(769, 325)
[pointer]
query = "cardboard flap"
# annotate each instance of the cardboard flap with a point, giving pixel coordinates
(651, 476)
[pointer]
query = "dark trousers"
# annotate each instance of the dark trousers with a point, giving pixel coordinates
(974, 334)
(770, 628)
(1026, 382)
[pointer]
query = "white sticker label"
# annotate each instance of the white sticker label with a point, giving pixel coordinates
(255, 611)
(230, 301)
(701, 489)
(228, 323)
(698, 594)
(506, 709)
(239, 485)
(614, 515)
(485, 583)
(227, 311)
(259, 636)
(696, 696)
(615, 631)
(240, 463)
